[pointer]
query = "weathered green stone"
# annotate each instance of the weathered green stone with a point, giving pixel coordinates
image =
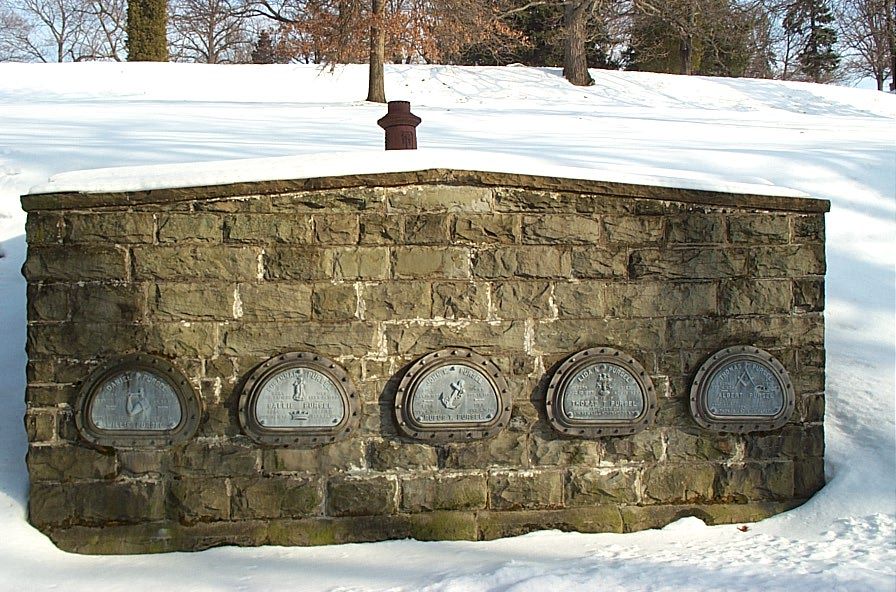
(361, 496)
(493, 525)
(380, 229)
(808, 294)
(337, 229)
(439, 198)
(808, 476)
(525, 490)
(267, 228)
(646, 446)
(361, 263)
(752, 296)
(807, 228)
(689, 444)
(741, 482)
(194, 340)
(267, 339)
(75, 264)
(69, 463)
(759, 228)
(347, 455)
(507, 449)
(551, 450)
(187, 301)
(95, 503)
(48, 302)
(84, 340)
(568, 335)
(431, 262)
(482, 337)
(599, 263)
(443, 492)
(43, 228)
(688, 263)
(696, 227)
(788, 261)
(292, 263)
(209, 459)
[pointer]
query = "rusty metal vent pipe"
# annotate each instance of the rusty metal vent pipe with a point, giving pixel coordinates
(401, 126)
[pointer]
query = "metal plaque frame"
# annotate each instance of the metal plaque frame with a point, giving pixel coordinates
(740, 423)
(190, 404)
(298, 436)
(451, 431)
(598, 428)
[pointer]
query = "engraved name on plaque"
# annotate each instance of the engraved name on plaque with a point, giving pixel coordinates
(452, 395)
(138, 400)
(742, 389)
(600, 392)
(298, 398)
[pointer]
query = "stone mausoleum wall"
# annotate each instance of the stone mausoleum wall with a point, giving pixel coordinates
(374, 272)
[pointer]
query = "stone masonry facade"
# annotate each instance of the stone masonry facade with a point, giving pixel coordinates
(374, 272)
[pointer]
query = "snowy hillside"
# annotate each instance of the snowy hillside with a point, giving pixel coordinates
(828, 142)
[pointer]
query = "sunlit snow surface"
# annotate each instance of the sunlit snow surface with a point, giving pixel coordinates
(828, 142)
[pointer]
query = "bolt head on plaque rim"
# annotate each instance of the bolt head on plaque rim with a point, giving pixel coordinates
(621, 402)
(742, 389)
(137, 401)
(452, 395)
(308, 400)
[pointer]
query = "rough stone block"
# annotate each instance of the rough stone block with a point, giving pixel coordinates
(482, 337)
(75, 264)
(276, 497)
(756, 482)
(788, 261)
(560, 229)
(427, 229)
(267, 339)
(460, 300)
(196, 262)
(195, 500)
(209, 459)
(679, 483)
(48, 302)
(752, 296)
(688, 263)
(51, 394)
(591, 487)
(646, 446)
(431, 262)
(388, 455)
(137, 462)
(522, 300)
(808, 476)
(788, 442)
(84, 340)
(525, 490)
(95, 502)
(439, 198)
(362, 496)
(548, 448)
(347, 455)
(351, 199)
(40, 425)
(599, 263)
(522, 262)
(361, 263)
(110, 227)
(481, 229)
(334, 302)
(187, 301)
(634, 230)
(689, 444)
(808, 294)
(341, 229)
(44, 228)
(195, 226)
(807, 228)
(759, 229)
(182, 339)
(507, 449)
(512, 199)
(696, 227)
(443, 492)
(267, 228)
(380, 229)
(293, 263)
(69, 463)
(565, 336)
(397, 300)
(275, 301)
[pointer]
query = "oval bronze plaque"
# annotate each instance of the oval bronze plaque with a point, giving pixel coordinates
(452, 395)
(742, 389)
(298, 398)
(600, 392)
(138, 400)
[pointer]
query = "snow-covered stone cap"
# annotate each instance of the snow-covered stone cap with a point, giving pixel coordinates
(369, 162)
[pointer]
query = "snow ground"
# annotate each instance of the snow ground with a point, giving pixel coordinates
(829, 142)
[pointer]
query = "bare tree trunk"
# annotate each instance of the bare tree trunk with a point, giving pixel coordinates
(891, 41)
(575, 61)
(685, 55)
(376, 85)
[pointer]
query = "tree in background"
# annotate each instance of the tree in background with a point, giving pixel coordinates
(209, 31)
(809, 23)
(866, 32)
(263, 52)
(146, 30)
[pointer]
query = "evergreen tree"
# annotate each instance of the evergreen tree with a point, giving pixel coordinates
(147, 23)
(263, 53)
(810, 22)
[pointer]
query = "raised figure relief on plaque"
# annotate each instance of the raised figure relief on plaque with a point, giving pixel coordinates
(138, 400)
(298, 398)
(600, 392)
(742, 389)
(452, 395)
